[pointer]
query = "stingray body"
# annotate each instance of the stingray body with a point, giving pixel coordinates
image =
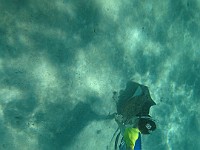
(135, 100)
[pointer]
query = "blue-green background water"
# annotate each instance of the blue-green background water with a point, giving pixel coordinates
(60, 61)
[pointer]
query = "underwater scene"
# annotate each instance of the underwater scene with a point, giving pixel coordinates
(62, 60)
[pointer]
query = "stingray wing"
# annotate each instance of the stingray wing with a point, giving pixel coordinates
(134, 100)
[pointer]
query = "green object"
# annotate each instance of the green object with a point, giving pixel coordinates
(130, 136)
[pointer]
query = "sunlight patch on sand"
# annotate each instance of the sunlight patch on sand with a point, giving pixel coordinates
(23, 140)
(110, 8)
(46, 75)
(8, 94)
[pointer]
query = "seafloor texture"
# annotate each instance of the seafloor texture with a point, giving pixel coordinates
(60, 61)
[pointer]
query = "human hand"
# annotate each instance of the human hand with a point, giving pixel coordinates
(118, 118)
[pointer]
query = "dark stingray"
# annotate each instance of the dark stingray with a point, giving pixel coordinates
(135, 100)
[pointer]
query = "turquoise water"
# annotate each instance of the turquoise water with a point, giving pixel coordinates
(61, 60)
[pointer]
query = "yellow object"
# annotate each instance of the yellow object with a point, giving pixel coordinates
(130, 136)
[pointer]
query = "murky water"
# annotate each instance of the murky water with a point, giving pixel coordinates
(61, 60)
